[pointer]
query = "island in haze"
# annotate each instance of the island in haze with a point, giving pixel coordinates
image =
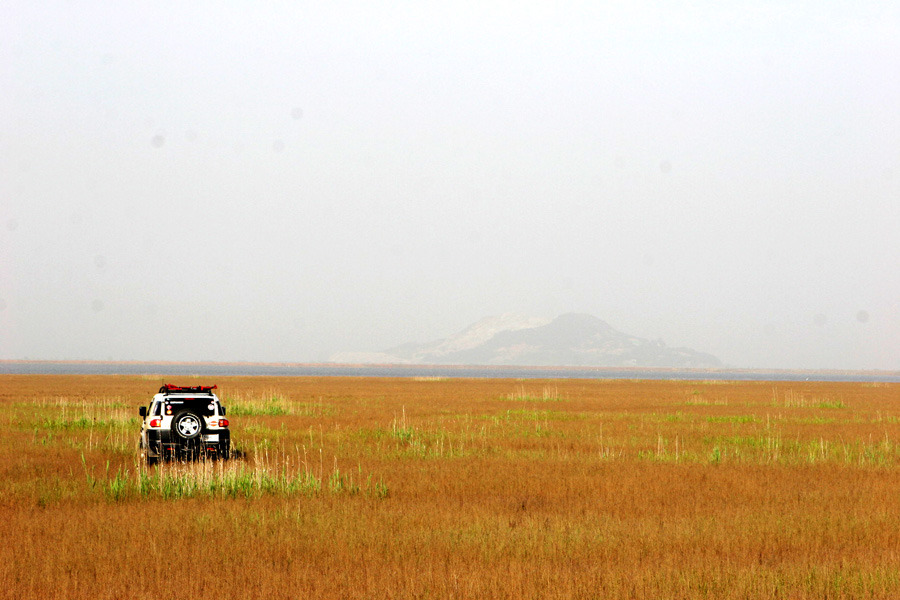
(571, 339)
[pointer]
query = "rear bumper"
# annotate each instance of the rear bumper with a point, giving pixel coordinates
(161, 443)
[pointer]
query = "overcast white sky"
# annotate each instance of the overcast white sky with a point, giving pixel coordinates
(281, 181)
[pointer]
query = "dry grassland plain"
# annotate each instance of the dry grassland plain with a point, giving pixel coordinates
(456, 488)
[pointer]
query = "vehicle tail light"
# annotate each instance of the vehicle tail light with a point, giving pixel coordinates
(155, 422)
(223, 422)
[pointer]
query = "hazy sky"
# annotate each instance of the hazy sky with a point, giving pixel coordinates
(233, 181)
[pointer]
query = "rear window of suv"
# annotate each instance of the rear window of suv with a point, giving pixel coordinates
(203, 406)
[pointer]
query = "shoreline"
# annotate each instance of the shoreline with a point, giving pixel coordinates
(247, 368)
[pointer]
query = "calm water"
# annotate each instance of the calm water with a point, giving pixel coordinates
(245, 369)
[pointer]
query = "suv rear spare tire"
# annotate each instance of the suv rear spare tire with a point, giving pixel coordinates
(187, 425)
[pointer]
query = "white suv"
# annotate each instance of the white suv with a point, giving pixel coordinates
(184, 422)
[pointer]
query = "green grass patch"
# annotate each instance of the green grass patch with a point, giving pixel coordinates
(220, 480)
(85, 422)
(734, 419)
(273, 406)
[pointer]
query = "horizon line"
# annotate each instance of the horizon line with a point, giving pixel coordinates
(327, 364)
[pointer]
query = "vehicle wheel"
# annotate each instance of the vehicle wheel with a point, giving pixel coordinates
(225, 452)
(187, 425)
(145, 456)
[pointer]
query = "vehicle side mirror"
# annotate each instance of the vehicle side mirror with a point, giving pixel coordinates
(143, 411)
(223, 410)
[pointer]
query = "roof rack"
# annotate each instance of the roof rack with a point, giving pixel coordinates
(168, 388)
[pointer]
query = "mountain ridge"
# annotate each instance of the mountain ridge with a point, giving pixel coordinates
(571, 339)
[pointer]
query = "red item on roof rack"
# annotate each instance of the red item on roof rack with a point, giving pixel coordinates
(168, 388)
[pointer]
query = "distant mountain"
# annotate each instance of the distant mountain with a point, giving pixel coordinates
(569, 340)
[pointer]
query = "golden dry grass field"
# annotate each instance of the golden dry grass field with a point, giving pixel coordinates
(434, 488)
